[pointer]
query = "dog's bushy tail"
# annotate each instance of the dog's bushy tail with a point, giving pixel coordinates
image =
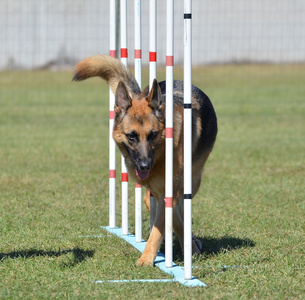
(108, 68)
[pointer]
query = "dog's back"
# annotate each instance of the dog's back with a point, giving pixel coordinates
(204, 117)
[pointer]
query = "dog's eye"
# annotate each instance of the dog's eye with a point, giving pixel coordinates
(132, 136)
(152, 135)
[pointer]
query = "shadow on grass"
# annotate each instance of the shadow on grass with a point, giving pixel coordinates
(78, 255)
(213, 246)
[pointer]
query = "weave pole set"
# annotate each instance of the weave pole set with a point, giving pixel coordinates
(169, 128)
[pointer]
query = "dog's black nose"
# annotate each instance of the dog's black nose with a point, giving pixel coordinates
(144, 165)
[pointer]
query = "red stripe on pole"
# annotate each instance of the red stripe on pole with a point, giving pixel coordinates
(124, 177)
(169, 133)
(168, 201)
(137, 53)
(138, 185)
(124, 53)
(112, 53)
(170, 61)
(152, 56)
(112, 174)
(111, 114)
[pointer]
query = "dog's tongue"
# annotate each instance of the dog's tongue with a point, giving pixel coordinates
(142, 175)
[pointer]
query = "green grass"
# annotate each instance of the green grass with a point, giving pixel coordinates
(249, 212)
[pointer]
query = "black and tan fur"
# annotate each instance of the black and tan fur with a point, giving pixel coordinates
(139, 132)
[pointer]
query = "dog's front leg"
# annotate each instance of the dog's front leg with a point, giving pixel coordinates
(150, 252)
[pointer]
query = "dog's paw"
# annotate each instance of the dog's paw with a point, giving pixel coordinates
(145, 262)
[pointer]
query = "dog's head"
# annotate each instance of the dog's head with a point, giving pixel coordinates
(139, 127)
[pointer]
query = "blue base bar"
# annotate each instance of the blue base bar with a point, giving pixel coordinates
(176, 271)
(135, 280)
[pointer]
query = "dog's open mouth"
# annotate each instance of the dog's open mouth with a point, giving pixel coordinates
(142, 174)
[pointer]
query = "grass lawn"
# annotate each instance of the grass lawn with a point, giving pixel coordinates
(249, 212)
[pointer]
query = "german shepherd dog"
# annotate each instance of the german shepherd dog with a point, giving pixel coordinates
(139, 132)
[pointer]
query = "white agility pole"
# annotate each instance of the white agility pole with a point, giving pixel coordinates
(138, 42)
(169, 134)
(138, 76)
(124, 60)
(187, 138)
(152, 41)
(112, 161)
(152, 76)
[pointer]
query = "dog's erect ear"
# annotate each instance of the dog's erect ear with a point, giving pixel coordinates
(154, 97)
(155, 101)
(122, 99)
